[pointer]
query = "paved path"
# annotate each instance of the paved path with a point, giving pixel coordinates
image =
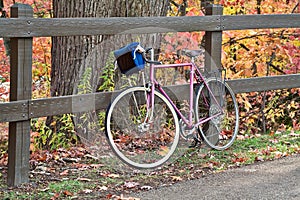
(279, 179)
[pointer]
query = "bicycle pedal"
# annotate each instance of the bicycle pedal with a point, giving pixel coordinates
(193, 144)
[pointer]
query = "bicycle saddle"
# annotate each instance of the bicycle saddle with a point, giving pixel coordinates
(191, 53)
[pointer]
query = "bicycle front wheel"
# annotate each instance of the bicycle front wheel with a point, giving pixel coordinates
(216, 106)
(141, 136)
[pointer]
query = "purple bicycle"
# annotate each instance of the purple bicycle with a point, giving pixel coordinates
(144, 123)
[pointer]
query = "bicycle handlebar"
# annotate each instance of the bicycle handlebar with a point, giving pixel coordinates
(147, 50)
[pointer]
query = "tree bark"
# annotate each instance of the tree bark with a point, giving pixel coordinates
(72, 55)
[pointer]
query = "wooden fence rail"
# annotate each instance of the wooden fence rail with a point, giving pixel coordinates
(37, 27)
(27, 109)
(22, 27)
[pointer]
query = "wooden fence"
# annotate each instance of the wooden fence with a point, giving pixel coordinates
(22, 27)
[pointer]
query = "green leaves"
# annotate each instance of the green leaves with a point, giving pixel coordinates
(108, 74)
(46, 138)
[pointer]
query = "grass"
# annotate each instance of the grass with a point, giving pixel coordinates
(243, 152)
(106, 181)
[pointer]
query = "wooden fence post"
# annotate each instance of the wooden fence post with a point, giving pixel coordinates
(213, 52)
(20, 89)
(213, 41)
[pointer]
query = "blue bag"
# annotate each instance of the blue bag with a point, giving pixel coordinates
(129, 59)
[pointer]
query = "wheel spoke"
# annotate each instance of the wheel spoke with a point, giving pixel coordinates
(136, 140)
(221, 103)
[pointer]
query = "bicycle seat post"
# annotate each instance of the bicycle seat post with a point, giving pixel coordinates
(193, 59)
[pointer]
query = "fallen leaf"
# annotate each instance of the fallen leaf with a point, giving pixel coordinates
(67, 193)
(84, 179)
(64, 173)
(55, 196)
(91, 156)
(271, 149)
(44, 189)
(121, 197)
(164, 150)
(278, 154)
(113, 175)
(202, 155)
(257, 135)
(131, 184)
(146, 187)
(265, 152)
(240, 137)
(259, 158)
(176, 178)
(103, 188)
(87, 191)
(274, 141)
(239, 160)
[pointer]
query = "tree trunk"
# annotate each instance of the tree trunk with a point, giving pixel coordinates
(73, 56)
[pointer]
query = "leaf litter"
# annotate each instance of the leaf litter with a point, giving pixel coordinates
(85, 176)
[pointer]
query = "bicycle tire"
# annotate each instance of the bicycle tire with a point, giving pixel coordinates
(139, 142)
(219, 132)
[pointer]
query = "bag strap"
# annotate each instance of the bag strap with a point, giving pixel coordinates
(139, 49)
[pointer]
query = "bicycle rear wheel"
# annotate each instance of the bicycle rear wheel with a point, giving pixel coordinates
(140, 136)
(217, 132)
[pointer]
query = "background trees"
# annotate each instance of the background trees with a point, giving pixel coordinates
(253, 53)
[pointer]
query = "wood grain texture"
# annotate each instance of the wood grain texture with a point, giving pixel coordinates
(259, 84)
(14, 111)
(240, 22)
(32, 27)
(24, 110)
(20, 90)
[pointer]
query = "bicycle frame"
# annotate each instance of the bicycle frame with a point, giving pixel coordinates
(195, 74)
(145, 125)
